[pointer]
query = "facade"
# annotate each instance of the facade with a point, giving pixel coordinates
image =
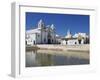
(42, 35)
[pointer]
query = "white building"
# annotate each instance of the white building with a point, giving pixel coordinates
(76, 39)
(41, 35)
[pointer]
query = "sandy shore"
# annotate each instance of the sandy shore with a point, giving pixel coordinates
(84, 48)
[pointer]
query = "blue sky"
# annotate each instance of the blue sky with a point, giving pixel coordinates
(62, 22)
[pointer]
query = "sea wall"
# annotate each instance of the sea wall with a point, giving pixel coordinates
(84, 47)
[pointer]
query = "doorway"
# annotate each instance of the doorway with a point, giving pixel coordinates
(49, 41)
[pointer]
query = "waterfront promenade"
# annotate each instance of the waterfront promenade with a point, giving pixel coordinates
(84, 47)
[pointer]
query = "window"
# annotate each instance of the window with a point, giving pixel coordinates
(44, 40)
(52, 40)
(33, 42)
(26, 42)
(66, 42)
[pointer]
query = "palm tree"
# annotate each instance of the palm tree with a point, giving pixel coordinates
(79, 39)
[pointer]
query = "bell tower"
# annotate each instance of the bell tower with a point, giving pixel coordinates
(41, 24)
(69, 35)
(68, 32)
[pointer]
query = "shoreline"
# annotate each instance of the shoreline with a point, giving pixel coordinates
(80, 48)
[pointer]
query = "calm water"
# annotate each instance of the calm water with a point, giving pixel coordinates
(55, 58)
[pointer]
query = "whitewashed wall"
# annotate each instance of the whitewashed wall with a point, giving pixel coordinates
(72, 42)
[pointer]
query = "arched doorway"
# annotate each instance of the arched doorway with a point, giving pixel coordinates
(49, 41)
(49, 38)
(79, 41)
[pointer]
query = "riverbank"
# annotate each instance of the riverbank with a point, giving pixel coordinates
(83, 48)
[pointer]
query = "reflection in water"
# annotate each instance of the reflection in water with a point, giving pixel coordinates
(55, 58)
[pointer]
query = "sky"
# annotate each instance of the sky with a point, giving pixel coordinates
(62, 22)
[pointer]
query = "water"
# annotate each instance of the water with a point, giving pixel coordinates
(55, 58)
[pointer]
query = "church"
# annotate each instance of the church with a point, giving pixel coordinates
(42, 34)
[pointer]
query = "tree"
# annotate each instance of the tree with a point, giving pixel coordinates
(79, 39)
